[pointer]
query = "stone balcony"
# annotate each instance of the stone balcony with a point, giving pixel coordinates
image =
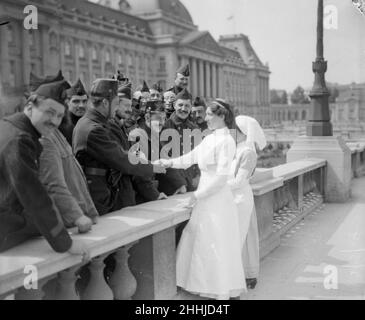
(143, 239)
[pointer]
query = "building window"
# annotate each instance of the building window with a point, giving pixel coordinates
(162, 64)
(82, 52)
(67, 48)
(53, 40)
(163, 84)
(69, 76)
(120, 59)
(31, 38)
(33, 68)
(107, 56)
(11, 34)
(130, 60)
(83, 77)
(95, 54)
(12, 74)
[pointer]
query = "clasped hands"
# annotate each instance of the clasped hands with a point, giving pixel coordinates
(166, 163)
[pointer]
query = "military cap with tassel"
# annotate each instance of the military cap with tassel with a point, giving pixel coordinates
(145, 87)
(125, 91)
(184, 70)
(53, 88)
(77, 89)
(183, 95)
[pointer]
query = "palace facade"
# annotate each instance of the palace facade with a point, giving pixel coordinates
(145, 39)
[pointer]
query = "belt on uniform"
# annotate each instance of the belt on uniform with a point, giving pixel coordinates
(95, 171)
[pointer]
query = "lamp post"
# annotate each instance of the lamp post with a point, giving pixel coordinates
(319, 121)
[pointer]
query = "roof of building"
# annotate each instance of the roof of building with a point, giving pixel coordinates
(202, 40)
(174, 7)
(96, 10)
(230, 53)
(248, 54)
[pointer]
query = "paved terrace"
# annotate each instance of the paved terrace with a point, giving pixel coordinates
(332, 235)
(301, 237)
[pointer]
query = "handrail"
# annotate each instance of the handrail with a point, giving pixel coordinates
(112, 232)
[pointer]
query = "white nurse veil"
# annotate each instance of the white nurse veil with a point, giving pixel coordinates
(252, 129)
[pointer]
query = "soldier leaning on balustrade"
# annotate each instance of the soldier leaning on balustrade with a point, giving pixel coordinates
(98, 152)
(179, 121)
(77, 106)
(26, 210)
(127, 195)
(147, 188)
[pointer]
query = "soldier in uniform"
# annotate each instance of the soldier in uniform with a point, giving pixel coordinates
(99, 153)
(77, 105)
(199, 111)
(179, 121)
(147, 188)
(156, 92)
(26, 210)
(181, 80)
(169, 98)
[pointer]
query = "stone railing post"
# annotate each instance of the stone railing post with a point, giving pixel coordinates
(97, 288)
(66, 285)
(122, 282)
(31, 294)
(264, 204)
(153, 262)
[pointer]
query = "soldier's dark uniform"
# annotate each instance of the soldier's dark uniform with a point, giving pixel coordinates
(26, 210)
(70, 119)
(146, 187)
(102, 157)
(185, 71)
(166, 184)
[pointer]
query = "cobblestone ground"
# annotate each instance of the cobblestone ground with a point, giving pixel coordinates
(328, 242)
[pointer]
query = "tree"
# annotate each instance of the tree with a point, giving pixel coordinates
(299, 97)
(334, 93)
(274, 97)
(284, 98)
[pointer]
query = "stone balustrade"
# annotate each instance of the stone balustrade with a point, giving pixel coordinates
(357, 158)
(141, 240)
(284, 195)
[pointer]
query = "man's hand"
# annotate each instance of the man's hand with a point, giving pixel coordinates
(192, 201)
(84, 224)
(162, 196)
(79, 248)
(181, 190)
(95, 219)
(163, 162)
(158, 169)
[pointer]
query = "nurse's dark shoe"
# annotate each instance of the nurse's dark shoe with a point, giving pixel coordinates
(251, 283)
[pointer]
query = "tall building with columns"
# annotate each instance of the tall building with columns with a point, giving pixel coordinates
(145, 39)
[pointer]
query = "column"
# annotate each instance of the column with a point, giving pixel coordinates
(4, 55)
(77, 59)
(126, 59)
(25, 56)
(136, 66)
(201, 78)
(45, 48)
(214, 78)
(194, 76)
(207, 80)
(89, 64)
(102, 61)
(62, 52)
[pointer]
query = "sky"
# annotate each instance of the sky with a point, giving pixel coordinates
(283, 33)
